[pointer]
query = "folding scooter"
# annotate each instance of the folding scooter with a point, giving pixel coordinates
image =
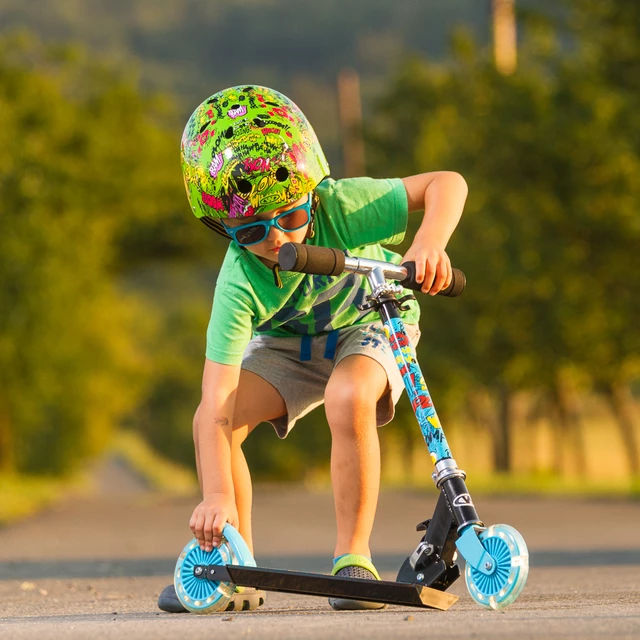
(496, 557)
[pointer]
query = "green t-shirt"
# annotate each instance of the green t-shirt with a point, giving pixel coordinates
(356, 215)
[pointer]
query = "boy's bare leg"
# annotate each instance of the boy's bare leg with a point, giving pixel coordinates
(350, 402)
(256, 401)
(242, 485)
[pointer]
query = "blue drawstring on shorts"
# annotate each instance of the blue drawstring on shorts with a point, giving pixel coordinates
(332, 344)
(305, 348)
(329, 350)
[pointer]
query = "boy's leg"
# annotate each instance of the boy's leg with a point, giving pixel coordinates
(351, 395)
(242, 484)
(256, 401)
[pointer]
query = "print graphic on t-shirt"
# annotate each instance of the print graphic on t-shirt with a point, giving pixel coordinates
(340, 293)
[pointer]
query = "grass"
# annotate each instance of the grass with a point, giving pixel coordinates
(479, 482)
(161, 474)
(22, 496)
(544, 461)
(517, 484)
(550, 485)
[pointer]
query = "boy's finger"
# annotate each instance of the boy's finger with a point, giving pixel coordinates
(198, 530)
(208, 533)
(438, 283)
(449, 278)
(447, 271)
(218, 525)
(429, 275)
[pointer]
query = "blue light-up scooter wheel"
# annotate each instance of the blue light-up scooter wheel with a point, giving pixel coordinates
(200, 595)
(510, 555)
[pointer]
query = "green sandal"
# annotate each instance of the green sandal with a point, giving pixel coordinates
(353, 565)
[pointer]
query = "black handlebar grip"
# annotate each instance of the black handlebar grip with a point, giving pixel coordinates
(458, 281)
(305, 258)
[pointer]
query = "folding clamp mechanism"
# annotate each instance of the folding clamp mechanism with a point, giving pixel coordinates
(423, 551)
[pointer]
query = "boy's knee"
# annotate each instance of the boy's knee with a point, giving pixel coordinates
(349, 397)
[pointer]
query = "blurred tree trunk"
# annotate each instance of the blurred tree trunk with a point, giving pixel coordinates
(570, 424)
(502, 433)
(480, 411)
(623, 406)
(558, 429)
(410, 444)
(484, 414)
(7, 461)
(351, 121)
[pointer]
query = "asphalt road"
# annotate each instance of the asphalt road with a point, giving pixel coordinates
(92, 568)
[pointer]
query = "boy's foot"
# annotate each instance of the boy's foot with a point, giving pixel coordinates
(245, 600)
(354, 566)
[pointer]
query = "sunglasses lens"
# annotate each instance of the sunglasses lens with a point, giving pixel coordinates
(250, 234)
(294, 220)
(289, 221)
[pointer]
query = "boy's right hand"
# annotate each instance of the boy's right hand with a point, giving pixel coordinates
(209, 518)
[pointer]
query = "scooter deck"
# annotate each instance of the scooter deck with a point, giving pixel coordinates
(315, 584)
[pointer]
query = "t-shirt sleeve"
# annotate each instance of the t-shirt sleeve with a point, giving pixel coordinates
(368, 211)
(230, 328)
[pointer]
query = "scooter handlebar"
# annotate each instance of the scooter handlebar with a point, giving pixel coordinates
(458, 281)
(304, 258)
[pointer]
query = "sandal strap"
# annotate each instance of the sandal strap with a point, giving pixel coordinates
(354, 560)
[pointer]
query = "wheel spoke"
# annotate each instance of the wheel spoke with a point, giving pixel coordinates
(500, 588)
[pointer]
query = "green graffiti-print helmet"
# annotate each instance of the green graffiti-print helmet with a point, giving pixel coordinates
(247, 150)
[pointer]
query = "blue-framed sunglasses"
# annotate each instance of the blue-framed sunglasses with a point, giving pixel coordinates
(255, 232)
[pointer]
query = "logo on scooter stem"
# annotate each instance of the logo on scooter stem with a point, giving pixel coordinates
(463, 500)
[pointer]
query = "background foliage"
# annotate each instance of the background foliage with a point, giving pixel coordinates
(106, 282)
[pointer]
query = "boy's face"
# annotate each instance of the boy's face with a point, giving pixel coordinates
(267, 250)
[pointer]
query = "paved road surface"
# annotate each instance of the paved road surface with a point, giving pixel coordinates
(93, 567)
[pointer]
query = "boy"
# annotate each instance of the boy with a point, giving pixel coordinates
(280, 344)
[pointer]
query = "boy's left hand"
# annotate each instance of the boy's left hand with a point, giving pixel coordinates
(433, 267)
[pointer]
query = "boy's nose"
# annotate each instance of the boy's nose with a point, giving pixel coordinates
(273, 232)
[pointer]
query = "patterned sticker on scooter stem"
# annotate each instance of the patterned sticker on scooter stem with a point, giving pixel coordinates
(417, 390)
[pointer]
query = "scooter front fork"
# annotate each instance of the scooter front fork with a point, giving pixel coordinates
(467, 522)
(452, 529)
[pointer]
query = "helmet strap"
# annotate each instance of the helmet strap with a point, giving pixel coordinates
(311, 231)
(215, 225)
(277, 280)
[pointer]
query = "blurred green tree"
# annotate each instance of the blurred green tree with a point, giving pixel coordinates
(608, 34)
(550, 227)
(82, 155)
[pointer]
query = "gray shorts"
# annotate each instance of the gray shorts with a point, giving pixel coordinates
(301, 383)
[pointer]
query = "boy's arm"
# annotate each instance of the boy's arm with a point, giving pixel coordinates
(212, 438)
(441, 196)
